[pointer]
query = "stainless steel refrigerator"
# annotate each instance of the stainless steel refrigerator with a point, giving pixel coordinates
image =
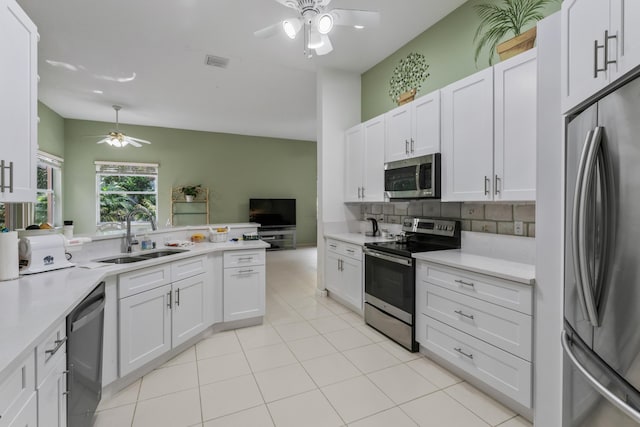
(601, 338)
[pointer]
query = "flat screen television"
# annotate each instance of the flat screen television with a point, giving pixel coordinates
(273, 212)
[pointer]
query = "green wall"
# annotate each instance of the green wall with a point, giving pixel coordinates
(449, 48)
(234, 167)
(50, 131)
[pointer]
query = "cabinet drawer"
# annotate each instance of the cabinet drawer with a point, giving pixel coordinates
(491, 289)
(144, 279)
(54, 344)
(188, 267)
(503, 371)
(16, 389)
(507, 329)
(243, 258)
(346, 249)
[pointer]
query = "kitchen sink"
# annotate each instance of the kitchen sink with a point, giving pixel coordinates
(161, 253)
(123, 259)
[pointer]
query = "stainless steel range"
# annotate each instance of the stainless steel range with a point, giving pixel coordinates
(390, 276)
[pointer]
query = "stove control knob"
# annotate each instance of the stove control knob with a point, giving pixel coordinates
(450, 227)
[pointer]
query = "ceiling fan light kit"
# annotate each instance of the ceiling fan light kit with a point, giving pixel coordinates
(117, 139)
(316, 22)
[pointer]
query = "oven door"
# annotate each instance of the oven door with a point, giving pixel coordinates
(390, 284)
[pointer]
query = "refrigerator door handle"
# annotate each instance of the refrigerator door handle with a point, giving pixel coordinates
(600, 388)
(577, 227)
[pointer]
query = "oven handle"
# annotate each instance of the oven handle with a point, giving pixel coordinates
(398, 260)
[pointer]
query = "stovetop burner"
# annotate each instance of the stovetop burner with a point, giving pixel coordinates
(423, 235)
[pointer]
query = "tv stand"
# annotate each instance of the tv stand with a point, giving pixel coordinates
(279, 237)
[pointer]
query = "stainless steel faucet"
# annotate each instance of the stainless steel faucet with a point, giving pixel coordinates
(139, 209)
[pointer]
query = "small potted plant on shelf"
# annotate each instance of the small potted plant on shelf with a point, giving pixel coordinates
(190, 191)
(510, 17)
(408, 77)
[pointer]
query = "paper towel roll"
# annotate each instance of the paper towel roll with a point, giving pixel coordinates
(9, 256)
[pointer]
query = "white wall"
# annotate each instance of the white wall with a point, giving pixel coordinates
(338, 98)
(548, 313)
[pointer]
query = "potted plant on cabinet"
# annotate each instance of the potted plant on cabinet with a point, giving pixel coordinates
(408, 77)
(190, 191)
(510, 17)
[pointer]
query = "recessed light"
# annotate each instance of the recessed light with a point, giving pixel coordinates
(99, 92)
(358, 27)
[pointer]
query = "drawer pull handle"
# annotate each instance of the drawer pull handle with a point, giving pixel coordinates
(462, 282)
(468, 355)
(59, 344)
(247, 258)
(169, 294)
(177, 297)
(245, 271)
(350, 250)
(463, 314)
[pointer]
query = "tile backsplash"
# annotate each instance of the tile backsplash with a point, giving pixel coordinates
(496, 218)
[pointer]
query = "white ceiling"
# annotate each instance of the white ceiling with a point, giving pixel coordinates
(269, 88)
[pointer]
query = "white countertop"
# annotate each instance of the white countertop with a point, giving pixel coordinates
(509, 270)
(32, 305)
(357, 238)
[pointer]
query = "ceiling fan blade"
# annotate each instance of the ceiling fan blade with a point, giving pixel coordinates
(131, 142)
(289, 3)
(102, 141)
(352, 17)
(139, 140)
(269, 31)
(326, 46)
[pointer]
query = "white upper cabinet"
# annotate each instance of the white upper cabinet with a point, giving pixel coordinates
(600, 43)
(467, 138)
(489, 133)
(364, 161)
(515, 83)
(413, 129)
(18, 104)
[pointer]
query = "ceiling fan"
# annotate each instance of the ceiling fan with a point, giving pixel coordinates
(115, 138)
(316, 21)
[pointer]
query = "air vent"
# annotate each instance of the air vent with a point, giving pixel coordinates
(216, 61)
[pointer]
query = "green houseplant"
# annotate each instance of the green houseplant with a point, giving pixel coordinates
(190, 191)
(408, 77)
(510, 17)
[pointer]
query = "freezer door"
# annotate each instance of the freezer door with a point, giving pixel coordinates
(617, 339)
(579, 133)
(594, 395)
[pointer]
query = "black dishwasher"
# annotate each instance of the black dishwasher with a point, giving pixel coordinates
(84, 358)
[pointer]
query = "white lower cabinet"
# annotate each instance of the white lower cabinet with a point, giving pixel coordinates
(51, 378)
(155, 320)
(481, 324)
(343, 272)
(244, 285)
(18, 404)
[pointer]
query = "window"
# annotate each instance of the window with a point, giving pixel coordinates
(122, 186)
(48, 194)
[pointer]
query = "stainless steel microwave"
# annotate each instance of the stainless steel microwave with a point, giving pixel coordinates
(415, 178)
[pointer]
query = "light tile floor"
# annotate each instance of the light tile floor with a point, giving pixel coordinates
(312, 363)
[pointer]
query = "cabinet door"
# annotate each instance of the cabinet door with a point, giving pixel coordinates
(583, 23)
(373, 181)
(332, 274)
(28, 415)
(145, 327)
(188, 317)
(52, 398)
(244, 289)
(18, 103)
(398, 140)
(353, 164)
(352, 282)
(425, 125)
(515, 128)
(625, 15)
(467, 138)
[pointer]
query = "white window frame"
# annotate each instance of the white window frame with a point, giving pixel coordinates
(55, 163)
(125, 169)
